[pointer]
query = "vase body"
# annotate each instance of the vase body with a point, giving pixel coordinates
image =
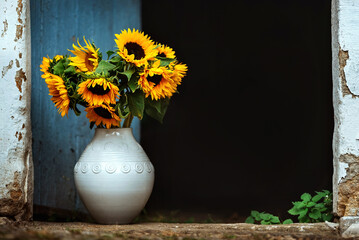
(114, 176)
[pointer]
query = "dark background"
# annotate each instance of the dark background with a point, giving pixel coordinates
(252, 125)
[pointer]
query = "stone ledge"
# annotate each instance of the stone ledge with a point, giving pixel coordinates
(167, 231)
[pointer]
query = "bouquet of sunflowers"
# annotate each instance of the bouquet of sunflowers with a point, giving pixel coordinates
(140, 76)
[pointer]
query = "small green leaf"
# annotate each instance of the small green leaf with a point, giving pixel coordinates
(104, 67)
(136, 103)
(264, 222)
(327, 217)
(128, 73)
(157, 109)
(70, 69)
(303, 212)
(311, 204)
(249, 219)
(265, 216)
(116, 59)
(294, 211)
(304, 219)
(315, 214)
(288, 221)
(109, 54)
(275, 220)
(133, 83)
(299, 205)
(59, 68)
(253, 212)
(306, 197)
(317, 197)
(165, 61)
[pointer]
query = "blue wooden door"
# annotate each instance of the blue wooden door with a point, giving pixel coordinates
(58, 142)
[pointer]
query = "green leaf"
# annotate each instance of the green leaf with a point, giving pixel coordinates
(104, 67)
(299, 204)
(294, 211)
(317, 197)
(311, 204)
(249, 219)
(327, 217)
(165, 61)
(122, 107)
(70, 69)
(264, 222)
(253, 212)
(304, 219)
(157, 109)
(288, 221)
(133, 83)
(303, 212)
(315, 214)
(116, 59)
(306, 197)
(265, 216)
(109, 54)
(275, 220)
(320, 205)
(59, 68)
(136, 103)
(128, 73)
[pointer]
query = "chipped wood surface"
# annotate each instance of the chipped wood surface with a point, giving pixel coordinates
(15, 96)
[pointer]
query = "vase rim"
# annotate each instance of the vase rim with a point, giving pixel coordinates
(113, 129)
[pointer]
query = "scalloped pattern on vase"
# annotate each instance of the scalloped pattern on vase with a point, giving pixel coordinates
(111, 167)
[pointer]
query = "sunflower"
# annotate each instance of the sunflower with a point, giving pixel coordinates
(46, 63)
(103, 114)
(98, 91)
(178, 71)
(87, 57)
(157, 81)
(58, 91)
(135, 47)
(165, 51)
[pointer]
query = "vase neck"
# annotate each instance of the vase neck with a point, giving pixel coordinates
(124, 132)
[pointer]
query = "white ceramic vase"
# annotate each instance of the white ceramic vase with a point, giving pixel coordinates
(114, 176)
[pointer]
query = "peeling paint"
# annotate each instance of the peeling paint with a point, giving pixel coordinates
(348, 197)
(343, 56)
(6, 26)
(19, 10)
(18, 135)
(6, 68)
(17, 63)
(19, 31)
(19, 78)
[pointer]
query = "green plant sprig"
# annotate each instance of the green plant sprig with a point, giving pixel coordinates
(309, 210)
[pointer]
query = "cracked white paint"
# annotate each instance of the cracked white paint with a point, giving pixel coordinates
(348, 15)
(342, 172)
(345, 40)
(15, 92)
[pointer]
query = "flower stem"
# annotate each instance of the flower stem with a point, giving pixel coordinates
(128, 121)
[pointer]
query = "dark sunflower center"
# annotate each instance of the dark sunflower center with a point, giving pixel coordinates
(156, 79)
(98, 90)
(134, 48)
(162, 55)
(88, 63)
(102, 112)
